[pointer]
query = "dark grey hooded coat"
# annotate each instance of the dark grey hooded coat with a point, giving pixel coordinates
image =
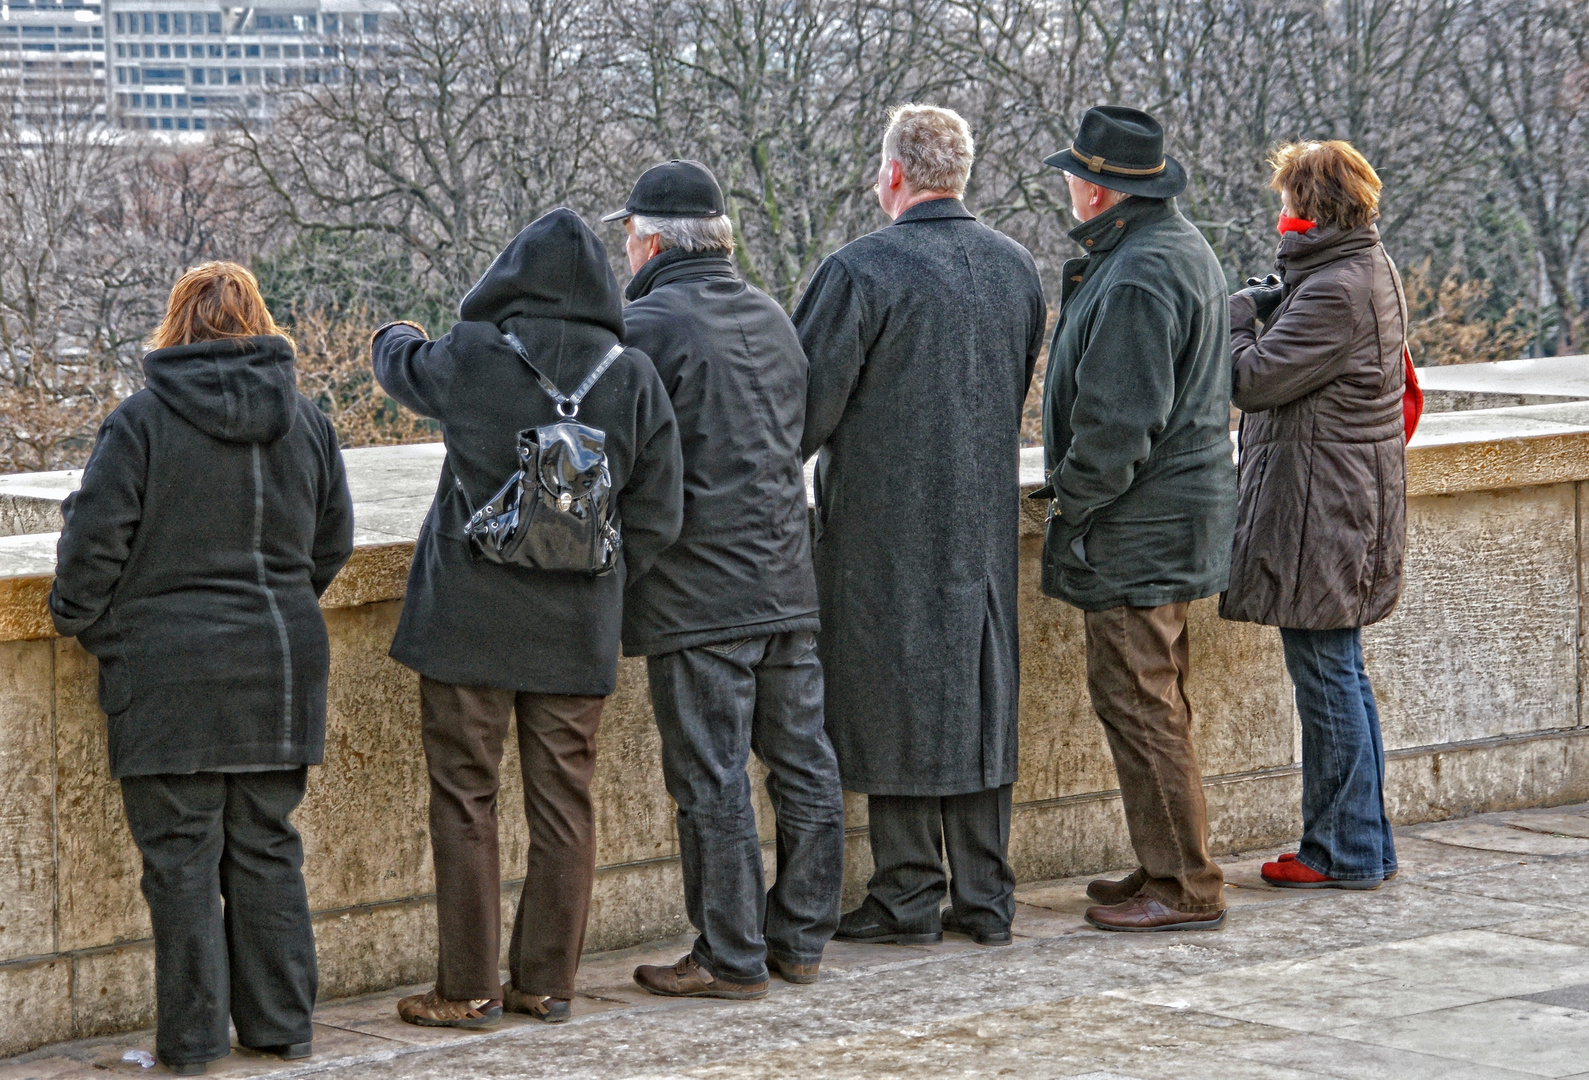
(922, 338)
(213, 513)
(1323, 521)
(474, 623)
(736, 375)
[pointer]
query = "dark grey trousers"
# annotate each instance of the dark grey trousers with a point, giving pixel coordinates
(910, 835)
(222, 871)
(714, 706)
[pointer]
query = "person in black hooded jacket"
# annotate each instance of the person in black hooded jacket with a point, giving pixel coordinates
(213, 513)
(490, 640)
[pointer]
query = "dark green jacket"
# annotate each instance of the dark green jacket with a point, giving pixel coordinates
(1136, 416)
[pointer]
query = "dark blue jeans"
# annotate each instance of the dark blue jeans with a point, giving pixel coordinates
(715, 705)
(1345, 832)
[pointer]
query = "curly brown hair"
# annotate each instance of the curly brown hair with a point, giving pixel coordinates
(1329, 183)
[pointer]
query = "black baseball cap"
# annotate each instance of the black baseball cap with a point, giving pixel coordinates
(677, 188)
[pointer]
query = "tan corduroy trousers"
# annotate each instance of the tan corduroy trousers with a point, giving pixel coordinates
(1137, 662)
(463, 728)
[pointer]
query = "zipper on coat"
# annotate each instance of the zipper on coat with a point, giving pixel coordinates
(270, 600)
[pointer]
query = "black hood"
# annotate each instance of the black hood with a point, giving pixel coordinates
(555, 269)
(240, 390)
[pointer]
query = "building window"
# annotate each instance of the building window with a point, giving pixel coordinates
(234, 76)
(165, 123)
(291, 76)
(121, 75)
(165, 52)
(198, 76)
(121, 50)
(311, 51)
(148, 50)
(234, 52)
(151, 123)
(198, 123)
(272, 76)
(181, 52)
(182, 101)
(272, 52)
(290, 51)
(134, 74)
(120, 26)
(164, 22)
(372, 24)
(165, 101)
(215, 52)
(179, 23)
(214, 20)
(148, 22)
(182, 123)
(329, 22)
(251, 76)
(121, 100)
(251, 51)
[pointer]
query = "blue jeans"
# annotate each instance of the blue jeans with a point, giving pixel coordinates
(715, 704)
(1345, 832)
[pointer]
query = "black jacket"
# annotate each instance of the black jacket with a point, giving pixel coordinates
(474, 623)
(922, 337)
(1136, 416)
(213, 513)
(736, 374)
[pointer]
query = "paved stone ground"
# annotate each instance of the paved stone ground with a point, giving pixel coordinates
(1473, 964)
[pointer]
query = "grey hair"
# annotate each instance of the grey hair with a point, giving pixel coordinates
(690, 233)
(932, 145)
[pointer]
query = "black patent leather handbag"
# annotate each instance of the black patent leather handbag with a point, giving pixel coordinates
(557, 511)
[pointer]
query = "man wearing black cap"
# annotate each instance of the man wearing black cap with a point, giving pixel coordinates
(727, 616)
(1142, 490)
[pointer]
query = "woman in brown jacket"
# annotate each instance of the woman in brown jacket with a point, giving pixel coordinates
(1323, 504)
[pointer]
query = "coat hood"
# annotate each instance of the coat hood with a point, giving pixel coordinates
(240, 390)
(556, 268)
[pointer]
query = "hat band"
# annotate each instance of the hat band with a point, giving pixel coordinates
(1096, 163)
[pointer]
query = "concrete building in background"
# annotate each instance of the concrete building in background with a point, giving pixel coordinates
(186, 65)
(52, 57)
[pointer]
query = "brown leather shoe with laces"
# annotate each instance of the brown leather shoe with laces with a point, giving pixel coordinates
(1144, 915)
(430, 1009)
(689, 979)
(548, 1010)
(1106, 892)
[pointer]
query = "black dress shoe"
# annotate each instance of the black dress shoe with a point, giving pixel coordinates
(865, 925)
(287, 1051)
(952, 923)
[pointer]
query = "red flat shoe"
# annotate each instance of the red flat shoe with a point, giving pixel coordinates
(1289, 873)
(1291, 856)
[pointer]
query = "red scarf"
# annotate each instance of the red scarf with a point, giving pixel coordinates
(1295, 224)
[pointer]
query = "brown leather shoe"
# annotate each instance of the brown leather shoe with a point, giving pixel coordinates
(792, 972)
(1144, 915)
(1106, 892)
(432, 1010)
(548, 1010)
(689, 979)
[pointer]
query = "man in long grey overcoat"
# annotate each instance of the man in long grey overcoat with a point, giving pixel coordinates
(922, 338)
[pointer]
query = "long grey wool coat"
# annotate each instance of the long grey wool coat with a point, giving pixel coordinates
(922, 337)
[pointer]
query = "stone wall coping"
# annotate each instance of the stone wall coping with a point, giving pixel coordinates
(392, 487)
(1544, 376)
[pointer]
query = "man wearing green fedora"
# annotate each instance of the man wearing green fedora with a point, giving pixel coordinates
(1142, 494)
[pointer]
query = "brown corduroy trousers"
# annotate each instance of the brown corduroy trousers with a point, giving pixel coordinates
(1137, 662)
(463, 728)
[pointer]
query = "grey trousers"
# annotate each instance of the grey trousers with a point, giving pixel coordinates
(715, 705)
(910, 835)
(222, 871)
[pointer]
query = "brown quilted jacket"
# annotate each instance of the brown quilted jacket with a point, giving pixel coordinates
(1322, 480)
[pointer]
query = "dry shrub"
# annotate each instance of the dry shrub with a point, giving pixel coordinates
(334, 371)
(1448, 324)
(44, 428)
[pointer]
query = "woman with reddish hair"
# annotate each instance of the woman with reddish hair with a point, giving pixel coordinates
(1322, 521)
(212, 515)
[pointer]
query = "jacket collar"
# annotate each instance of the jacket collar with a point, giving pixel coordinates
(935, 210)
(1104, 232)
(1300, 254)
(676, 264)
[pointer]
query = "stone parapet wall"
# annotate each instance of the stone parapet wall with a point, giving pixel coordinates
(1479, 675)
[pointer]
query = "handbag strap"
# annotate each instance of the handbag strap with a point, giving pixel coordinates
(567, 405)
